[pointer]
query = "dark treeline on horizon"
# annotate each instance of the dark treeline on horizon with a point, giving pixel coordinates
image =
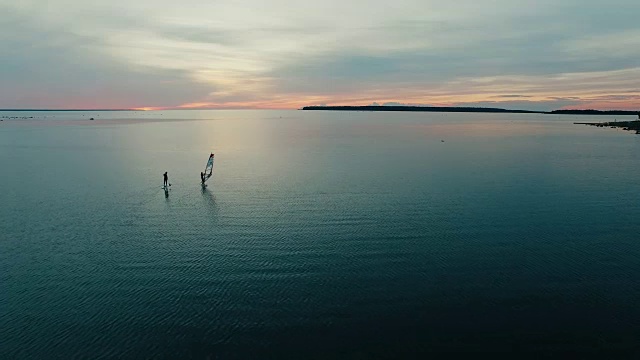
(418, 108)
(468, 109)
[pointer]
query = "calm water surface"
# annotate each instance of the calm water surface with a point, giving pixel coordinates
(322, 235)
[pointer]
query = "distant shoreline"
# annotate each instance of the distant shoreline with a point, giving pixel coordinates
(624, 125)
(468, 110)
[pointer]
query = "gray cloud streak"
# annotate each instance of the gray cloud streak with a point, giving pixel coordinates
(52, 69)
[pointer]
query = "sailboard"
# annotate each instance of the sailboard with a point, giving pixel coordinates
(208, 170)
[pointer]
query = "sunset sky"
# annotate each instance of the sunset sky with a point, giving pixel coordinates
(538, 55)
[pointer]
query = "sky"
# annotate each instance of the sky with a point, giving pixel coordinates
(148, 54)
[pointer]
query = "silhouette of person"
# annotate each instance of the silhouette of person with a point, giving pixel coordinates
(166, 178)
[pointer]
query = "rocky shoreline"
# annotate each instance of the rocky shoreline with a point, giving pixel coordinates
(624, 125)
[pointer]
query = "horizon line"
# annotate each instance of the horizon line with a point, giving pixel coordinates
(311, 106)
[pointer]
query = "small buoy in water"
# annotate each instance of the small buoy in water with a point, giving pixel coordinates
(442, 140)
(92, 119)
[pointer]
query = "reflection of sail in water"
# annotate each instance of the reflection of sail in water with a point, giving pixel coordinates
(210, 202)
(208, 170)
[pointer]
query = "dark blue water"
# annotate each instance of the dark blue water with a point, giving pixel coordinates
(322, 235)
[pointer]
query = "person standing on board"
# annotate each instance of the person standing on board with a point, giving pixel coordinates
(166, 178)
(202, 177)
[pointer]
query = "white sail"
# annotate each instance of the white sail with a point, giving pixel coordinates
(208, 170)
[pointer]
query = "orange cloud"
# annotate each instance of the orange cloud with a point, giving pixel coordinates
(150, 108)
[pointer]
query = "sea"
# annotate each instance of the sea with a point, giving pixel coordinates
(320, 235)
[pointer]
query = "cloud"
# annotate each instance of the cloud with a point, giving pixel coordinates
(250, 53)
(52, 69)
(509, 96)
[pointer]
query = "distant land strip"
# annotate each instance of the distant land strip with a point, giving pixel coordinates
(468, 110)
(624, 125)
